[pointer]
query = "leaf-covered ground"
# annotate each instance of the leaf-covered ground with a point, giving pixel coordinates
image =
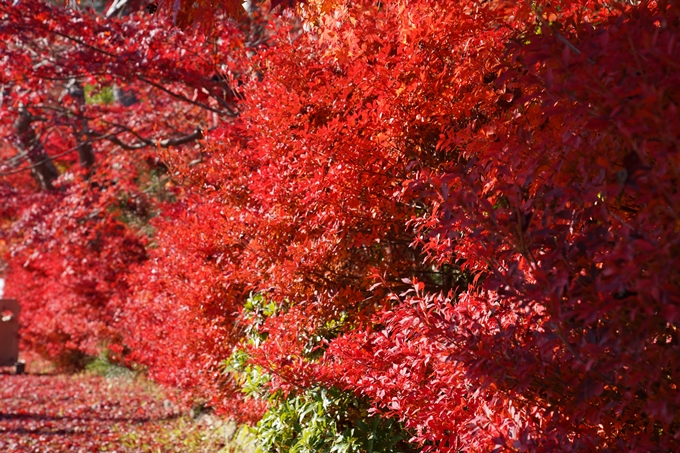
(91, 413)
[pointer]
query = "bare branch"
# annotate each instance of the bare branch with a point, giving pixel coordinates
(228, 112)
(144, 143)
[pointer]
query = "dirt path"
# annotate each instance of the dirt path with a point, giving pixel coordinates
(89, 413)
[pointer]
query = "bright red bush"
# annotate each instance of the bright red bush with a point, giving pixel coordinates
(564, 214)
(536, 167)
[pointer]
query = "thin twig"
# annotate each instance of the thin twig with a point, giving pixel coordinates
(228, 112)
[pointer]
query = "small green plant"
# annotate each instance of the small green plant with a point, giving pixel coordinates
(103, 366)
(95, 95)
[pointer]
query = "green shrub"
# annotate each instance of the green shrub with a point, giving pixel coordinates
(314, 420)
(324, 420)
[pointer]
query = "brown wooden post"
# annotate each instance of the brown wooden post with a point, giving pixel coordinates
(9, 334)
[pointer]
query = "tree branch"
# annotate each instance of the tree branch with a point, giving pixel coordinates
(47, 159)
(143, 143)
(228, 112)
(166, 143)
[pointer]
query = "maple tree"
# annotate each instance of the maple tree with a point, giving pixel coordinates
(87, 101)
(461, 214)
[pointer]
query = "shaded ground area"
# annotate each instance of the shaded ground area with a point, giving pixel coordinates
(90, 413)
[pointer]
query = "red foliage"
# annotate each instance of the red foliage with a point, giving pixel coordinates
(564, 212)
(526, 164)
(87, 125)
(465, 212)
(71, 270)
(581, 238)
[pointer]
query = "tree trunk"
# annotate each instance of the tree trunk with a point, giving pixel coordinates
(85, 152)
(42, 167)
